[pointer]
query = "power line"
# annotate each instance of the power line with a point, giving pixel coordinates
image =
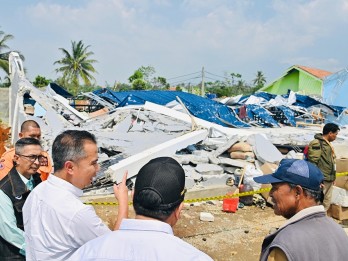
(182, 75)
(224, 77)
(182, 81)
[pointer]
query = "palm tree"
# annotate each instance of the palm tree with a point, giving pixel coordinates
(260, 79)
(76, 65)
(3, 46)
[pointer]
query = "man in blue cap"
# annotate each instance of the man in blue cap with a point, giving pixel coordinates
(308, 233)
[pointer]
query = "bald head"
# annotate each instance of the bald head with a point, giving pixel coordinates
(30, 129)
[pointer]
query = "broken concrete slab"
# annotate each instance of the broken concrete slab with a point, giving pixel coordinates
(190, 172)
(133, 163)
(189, 158)
(232, 140)
(189, 183)
(264, 150)
(209, 169)
(215, 180)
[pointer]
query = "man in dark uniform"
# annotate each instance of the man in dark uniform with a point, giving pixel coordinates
(14, 189)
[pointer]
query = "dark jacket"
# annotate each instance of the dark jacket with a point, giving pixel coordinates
(13, 186)
(320, 153)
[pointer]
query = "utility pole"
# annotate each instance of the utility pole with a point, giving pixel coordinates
(202, 86)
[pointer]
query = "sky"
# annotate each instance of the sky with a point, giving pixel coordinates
(180, 37)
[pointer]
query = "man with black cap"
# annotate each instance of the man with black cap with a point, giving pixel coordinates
(158, 199)
(308, 233)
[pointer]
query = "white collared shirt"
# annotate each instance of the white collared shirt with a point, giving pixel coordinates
(56, 222)
(139, 240)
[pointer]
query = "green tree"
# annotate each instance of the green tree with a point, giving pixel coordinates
(260, 80)
(147, 72)
(41, 81)
(160, 83)
(135, 76)
(76, 65)
(235, 75)
(4, 38)
(139, 84)
(140, 78)
(4, 54)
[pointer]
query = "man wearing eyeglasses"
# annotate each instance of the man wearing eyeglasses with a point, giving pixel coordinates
(14, 190)
(29, 129)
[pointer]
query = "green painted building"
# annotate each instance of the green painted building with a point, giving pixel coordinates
(300, 79)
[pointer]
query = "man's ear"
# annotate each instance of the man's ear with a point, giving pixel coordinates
(20, 135)
(69, 167)
(178, 210)
(15, 158)
(299, 190)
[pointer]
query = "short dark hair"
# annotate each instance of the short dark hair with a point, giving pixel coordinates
(21, 143)
(69, 145)
(29, 123)
(330, 127)
(143, 202)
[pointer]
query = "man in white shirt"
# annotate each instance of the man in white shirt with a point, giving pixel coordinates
(158, 199)
(55, 220)
(14, 190)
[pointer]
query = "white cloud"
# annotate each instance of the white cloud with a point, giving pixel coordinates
(180, 37)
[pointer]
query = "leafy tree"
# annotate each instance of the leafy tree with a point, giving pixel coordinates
(160, 83)
(235, 75)
(41, 81)
(76, 65)
(147, 72)
(121, 87)
(140, 79)
(136, 75)
(4, 38)
(260, 79)
(139, 84)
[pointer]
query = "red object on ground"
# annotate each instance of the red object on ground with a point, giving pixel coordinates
(230, 204)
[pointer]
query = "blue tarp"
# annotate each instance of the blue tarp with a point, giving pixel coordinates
(335, 87)
(289, 114)
(199, 107)
(60, 90)
(262, 113)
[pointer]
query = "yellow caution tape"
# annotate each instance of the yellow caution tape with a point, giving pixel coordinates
(242, 194)
(341, 174)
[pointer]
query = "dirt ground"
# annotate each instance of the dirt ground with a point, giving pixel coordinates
(231, 236)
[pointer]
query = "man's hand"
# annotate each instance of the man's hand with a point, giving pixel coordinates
(121, 194)
(121, 190)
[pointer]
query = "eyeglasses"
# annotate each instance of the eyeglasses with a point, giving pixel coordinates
(33, 158)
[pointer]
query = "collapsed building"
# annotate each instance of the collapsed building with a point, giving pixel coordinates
(216, 141)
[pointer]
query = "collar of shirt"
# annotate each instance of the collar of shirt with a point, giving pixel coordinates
(146, 225)
(303, 213)
(64, 185)
(28, 182)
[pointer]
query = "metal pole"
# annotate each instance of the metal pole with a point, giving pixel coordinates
(202, 85)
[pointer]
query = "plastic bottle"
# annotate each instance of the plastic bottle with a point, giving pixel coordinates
(246, 200)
